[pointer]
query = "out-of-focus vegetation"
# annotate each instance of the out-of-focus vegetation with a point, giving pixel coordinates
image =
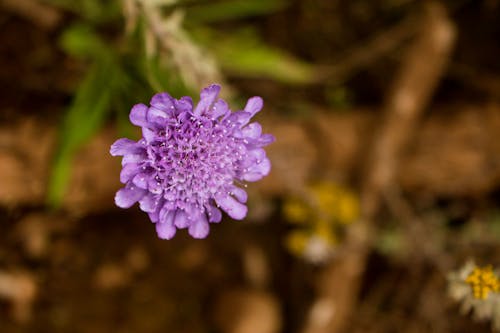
(133, 48)
(320, 213)
(477, 289)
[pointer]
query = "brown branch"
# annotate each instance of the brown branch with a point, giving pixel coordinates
(412, 89)
(368, 52)
(338, 284)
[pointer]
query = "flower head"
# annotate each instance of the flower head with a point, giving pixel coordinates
(191, 161)
(477, 289)
(483, 281)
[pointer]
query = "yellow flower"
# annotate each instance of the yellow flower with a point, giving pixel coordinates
(316, 245)
(322, 208)
(296, 241)
(324, 231)
(348, 208)
(324, 198)
(296, 211)
(335, 202)
(483, 281)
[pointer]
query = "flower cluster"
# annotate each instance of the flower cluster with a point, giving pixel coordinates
(477, 290)
(321, 211)
(191, 161)
(483, 281)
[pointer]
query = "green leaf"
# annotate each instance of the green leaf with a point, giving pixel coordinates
(243, 54)
(82, 41)
(163, 76)
(84, 118)
(232, 9)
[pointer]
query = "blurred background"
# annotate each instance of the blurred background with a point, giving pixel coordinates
(381, 213)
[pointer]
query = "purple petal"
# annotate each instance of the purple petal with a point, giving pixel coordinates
(261, 141)
(220, 108)
(266, 139)
(128, 196)
(184, 117)
(157, 116)
(164, 211)
(207, 97)
(165, 227)
(148, 134)
(181, 221)
(199, 228)
(165, 231)
(253, 130)
(154, 216)
(141, 180)
(128, 172)
(239, 117)
(125, 146)
(184, 104)
(192, 212)
(232, 207)
(254, 105)
(214, 214)
(149, 203)
(258, 170)
(137, 115)
(154, 186)
(253, 156)
(239, 194)
(168, 218)
(163, 101)
(135, 158)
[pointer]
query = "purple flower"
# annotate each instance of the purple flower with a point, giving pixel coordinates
(191, 161)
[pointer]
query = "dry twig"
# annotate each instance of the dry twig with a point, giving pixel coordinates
(368, 52)
(420, 71)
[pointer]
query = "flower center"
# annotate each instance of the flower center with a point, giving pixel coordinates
(194, 158)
